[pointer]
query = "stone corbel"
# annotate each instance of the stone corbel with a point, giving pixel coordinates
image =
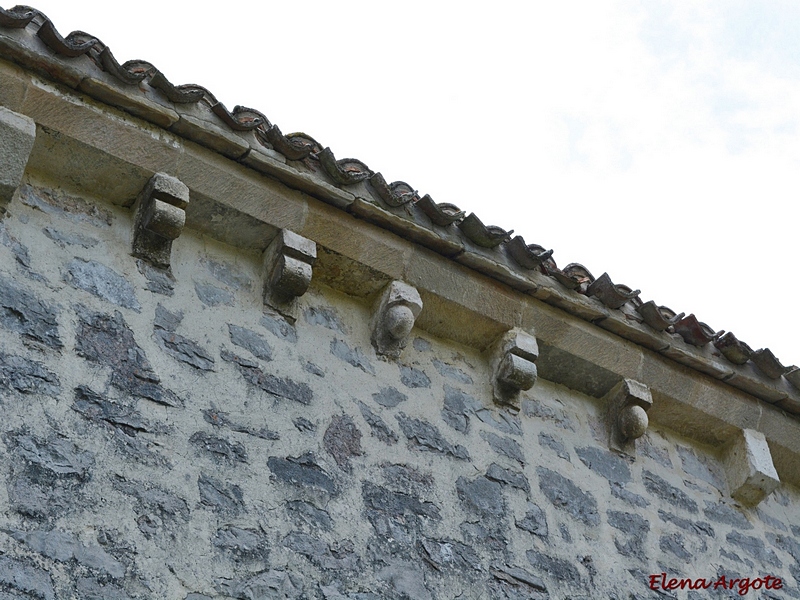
(514, 366)
(626, 414)
(748, 465)
(160, 214)
(17, 134)
(394, 317)
(288, 262)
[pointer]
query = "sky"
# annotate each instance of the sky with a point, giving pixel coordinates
(655, 141)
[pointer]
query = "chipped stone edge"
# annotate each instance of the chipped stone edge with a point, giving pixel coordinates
(749, 467)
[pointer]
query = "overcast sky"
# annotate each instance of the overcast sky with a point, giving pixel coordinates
(657, 141)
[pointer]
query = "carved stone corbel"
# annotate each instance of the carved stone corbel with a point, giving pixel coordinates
(159, 218)
(748, 465)
(288, 262)
(514, 366)
(17, 134)
(394, 317)
(626, 414)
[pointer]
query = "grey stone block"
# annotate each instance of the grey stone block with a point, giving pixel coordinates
(754, 547)
(27, 376)
(406, 477)
(694, 527)
(609, 465)
(325, 316)
(218, 418)
(159, 281)
(251, 341)
(378, 426)
(748, 464)
(555, 444)
(17, 135)
(389, 397)
(287, 265)
(279, 327)
(426, 437)
(397, 503)
(414, 378)
(277, 386)
(159, 217)
(513, 366)
(305, 512)
(505, 446)
(321, 554)
(302, 471)
(57, 456)
(342, 440)
(728, 515)
(534, 521)
(659, 487)
(64, 546)
(218, 496)
(555, 567)
(211, 295)
(101, 281)
(183, 349)
(567, 496)
(220, 448)
(510, 477)
(353, 356)
(242, 544)
(635, 526)
(22, 312)
(450, 555)
(482, 496)
(449, 371)
(456, 408)
(26, 578)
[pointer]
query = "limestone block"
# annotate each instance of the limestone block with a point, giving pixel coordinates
(159, 218)
(748, 465)
(394, 317)
(514, 366)
(626, 414)
(288, 262)
(17, 134)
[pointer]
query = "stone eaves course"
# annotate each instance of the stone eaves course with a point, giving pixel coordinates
(84, 63)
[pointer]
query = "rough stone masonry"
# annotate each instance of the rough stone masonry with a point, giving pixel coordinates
(160, 444)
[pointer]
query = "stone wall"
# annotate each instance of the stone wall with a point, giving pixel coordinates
(167, 436)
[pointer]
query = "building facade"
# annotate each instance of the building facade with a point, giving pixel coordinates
(233, 366)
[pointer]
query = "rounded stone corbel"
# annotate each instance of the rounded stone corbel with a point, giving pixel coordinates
(626, 414)
(393, 319)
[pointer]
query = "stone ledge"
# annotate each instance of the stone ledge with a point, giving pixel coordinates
(141, 106)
